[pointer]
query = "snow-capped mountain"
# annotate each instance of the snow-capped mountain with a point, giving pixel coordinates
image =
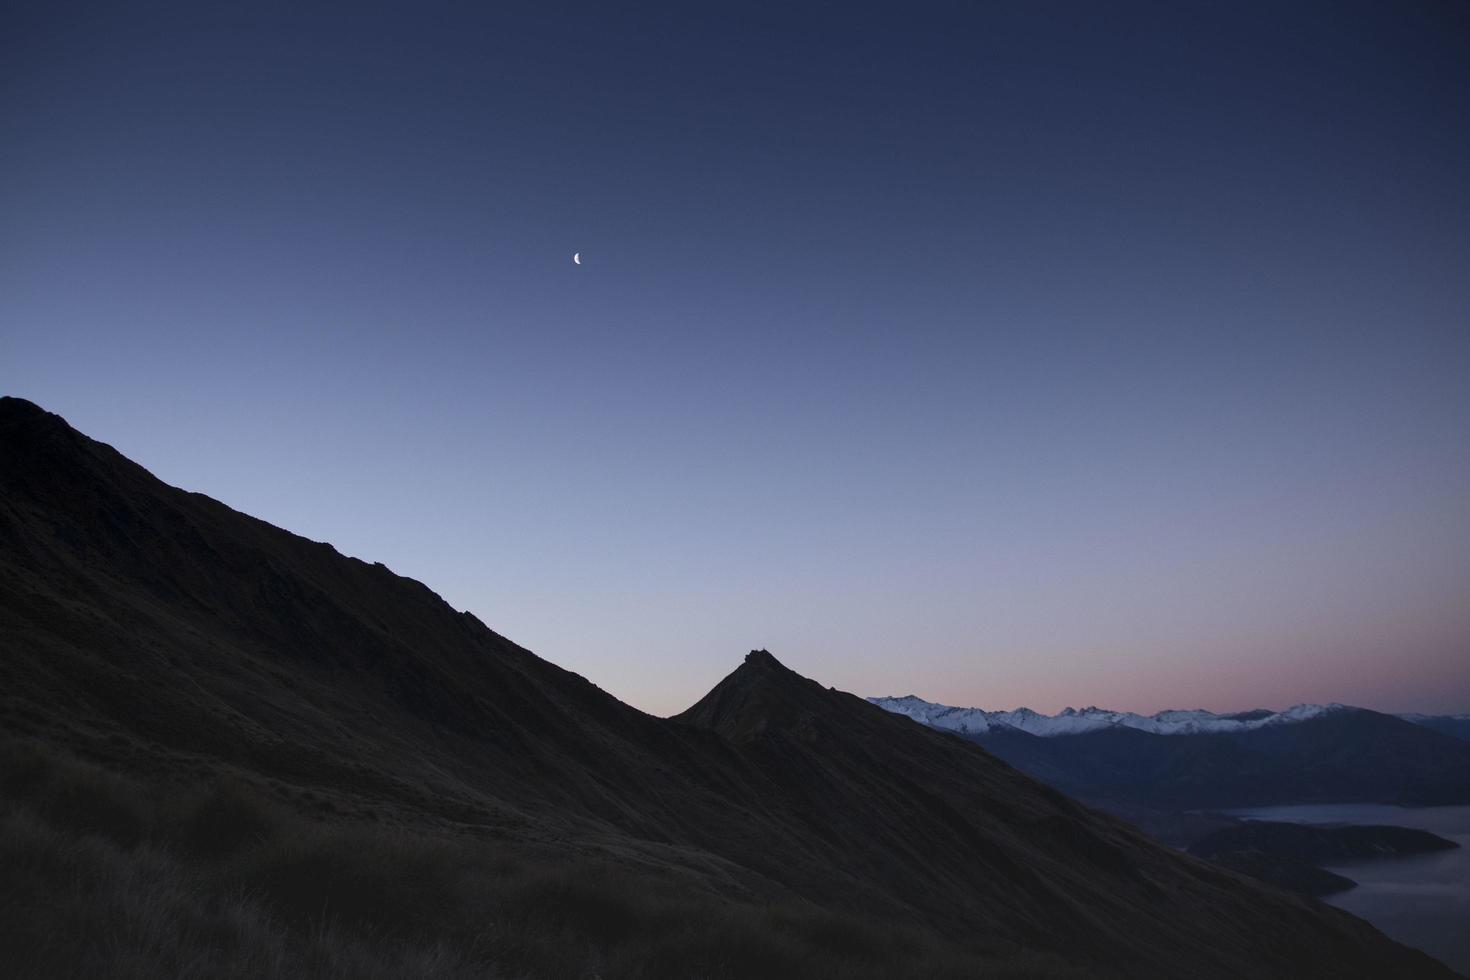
(1072, 721)
(1191, 760)
(1456, 726)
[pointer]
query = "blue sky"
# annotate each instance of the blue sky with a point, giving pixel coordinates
(1004, 354)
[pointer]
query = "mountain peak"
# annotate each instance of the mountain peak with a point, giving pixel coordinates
(1073, 721)
(13, 407)
(759, 697)
(46, 455)
(17, 414)
(763, 659)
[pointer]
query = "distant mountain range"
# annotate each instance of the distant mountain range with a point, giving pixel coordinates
(232, 751)
(1078, 721)
(1197, 759)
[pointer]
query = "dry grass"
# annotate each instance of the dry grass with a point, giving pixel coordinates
(107, 877)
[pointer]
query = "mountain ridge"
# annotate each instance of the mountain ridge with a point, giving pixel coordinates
(1343, 754)
(161, 635)
(1075, 721)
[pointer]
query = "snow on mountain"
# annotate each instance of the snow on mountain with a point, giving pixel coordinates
(1072, 721)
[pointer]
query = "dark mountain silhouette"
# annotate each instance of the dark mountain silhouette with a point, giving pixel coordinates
(1287, 854)
(1346, 756)
(155, 638)
(1312, 843)
(1293, 874)
(1456, 726)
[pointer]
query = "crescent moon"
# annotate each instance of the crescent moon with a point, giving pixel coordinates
(576, 258)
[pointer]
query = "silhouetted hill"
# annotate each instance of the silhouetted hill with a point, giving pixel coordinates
(1318, 844)
(1286, 854)
(1456, 726)
(238, 749)
(1346, 756)
(1293, 874)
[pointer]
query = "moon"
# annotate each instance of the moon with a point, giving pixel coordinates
(576, 258)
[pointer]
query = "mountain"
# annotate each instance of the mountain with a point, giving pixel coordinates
(1307, 754)
(1293, 874)
(1071, 721)
(1457, 726)
(1287, 854)
(1319, 844)
(232, 751)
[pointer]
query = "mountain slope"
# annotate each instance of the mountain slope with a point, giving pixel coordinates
(1457, 726)
(167, 638)
(1307, 754)
(1071, 721)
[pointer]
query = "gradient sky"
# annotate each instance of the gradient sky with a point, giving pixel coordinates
(1019, 353)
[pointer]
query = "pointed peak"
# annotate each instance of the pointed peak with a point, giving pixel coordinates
(763, 660)
(35, 442)
(13, 407)
(761, 695)
(18, 413)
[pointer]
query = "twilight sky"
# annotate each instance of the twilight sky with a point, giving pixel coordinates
(1015, 353)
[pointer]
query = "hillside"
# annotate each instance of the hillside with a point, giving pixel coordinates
(1319, 844)
(1195, 760)
(405, 787)
(1456, 726)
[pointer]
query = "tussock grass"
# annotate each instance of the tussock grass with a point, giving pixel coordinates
(107, 877)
